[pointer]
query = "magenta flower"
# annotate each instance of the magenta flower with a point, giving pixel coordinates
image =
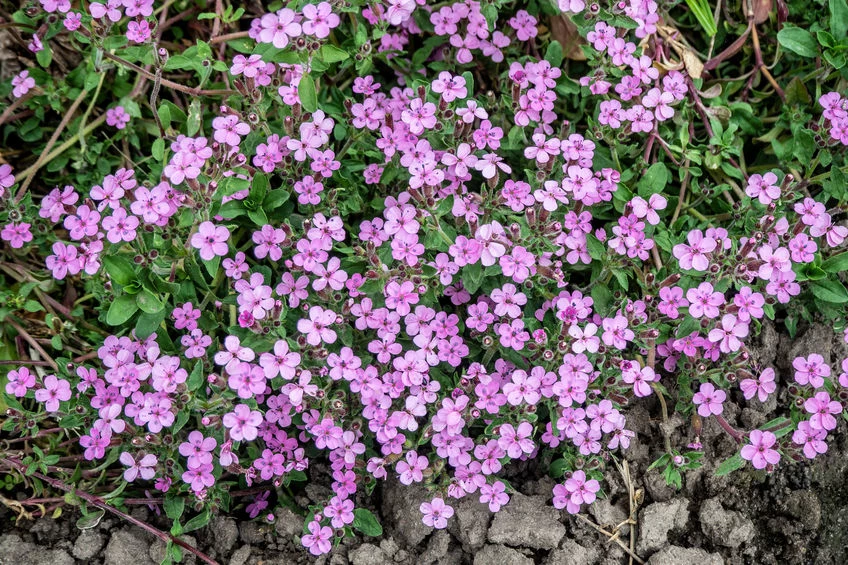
(199, 478)
(494, 495)
(696, 255)
(449, 86)
(211, 240)
(117, 117)
(764, 187)
(143, 468)
(319, 20)
(728, 333)
(762, 386)
(54, 391)
(411, 470)
(243, 423)
(811, 438)
(709, 400)
(22, 84)
(759, 452)
(823, 410)
(19, 382)
(198, 449)
(436, 513)
(811, 371)
(316, 327)
(641, 379)
(576, 491)
(317, 541)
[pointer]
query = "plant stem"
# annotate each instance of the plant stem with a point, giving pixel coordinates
(100, 503)
(165, 82)
(28, 175)
(734, 433)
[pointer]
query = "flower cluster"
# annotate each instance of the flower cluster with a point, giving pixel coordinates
(413, 275)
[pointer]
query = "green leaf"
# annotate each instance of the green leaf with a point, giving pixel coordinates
(554, 53)
(198, 521)
(332, 54)
(830, 290)
(729, 465)
(838, 19)
(212, 265)
(149, 323)
(472, 277)
(366, 522)
(91, 519)
(654, 180)
(164, 116)
(158, 149)
(148, 302)
(195, 379)
(799, 41)
(195, 118)
(595, 248)
(836, 264)
(45, 56)
(307, 94)
(120, 269)
(174, 507)
(121, 310)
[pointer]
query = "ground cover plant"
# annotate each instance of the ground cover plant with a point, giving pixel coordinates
(407, 239)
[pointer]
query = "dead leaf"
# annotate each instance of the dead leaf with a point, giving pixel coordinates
(693, 64)
(712, 92)
(564, 31)
(762, 10)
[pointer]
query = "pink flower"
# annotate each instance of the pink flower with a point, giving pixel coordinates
(494, 495)
(316, 327)
(319, 20)
(811, 438)
(436, 513)
(16, 234)
(516, 441)
(211, 240)
(120, 226)
(117, 117)
(728, 333)
(822, 409)
(616, 332)
(22, 84)
(696, 254)
(759, 451)
(138, 32)
(229, 130)
(317, 541)
(411, 470)
(764, 187)
(19, 382)
(200, 477)
(277, 28)
(761, 386)
(709, 400)
(400, 296)
(641, 379)
(243, 423)
(449, 86)
(54, 391)
(144, 467)
(811, 370)
(576, 492)
(704, 302)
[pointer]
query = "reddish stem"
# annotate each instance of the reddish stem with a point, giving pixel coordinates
(100, 503)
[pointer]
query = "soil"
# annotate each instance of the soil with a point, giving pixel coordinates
(797, 515)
